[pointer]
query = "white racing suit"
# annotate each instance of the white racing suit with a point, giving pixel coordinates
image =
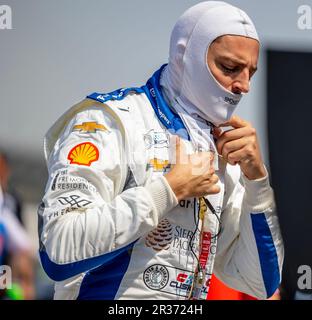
(110, 226)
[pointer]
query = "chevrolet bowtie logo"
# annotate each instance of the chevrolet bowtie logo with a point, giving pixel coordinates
(89, 127)
(159, 165)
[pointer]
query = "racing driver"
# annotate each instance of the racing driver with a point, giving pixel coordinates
(150, 192)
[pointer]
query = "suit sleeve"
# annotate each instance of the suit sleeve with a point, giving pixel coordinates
(251, 248)
(86, 215)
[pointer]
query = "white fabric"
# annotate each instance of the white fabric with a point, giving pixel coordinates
(119, 209)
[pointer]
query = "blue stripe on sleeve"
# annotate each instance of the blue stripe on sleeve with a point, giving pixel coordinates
(60, 272)
(103, 282)
(267, 253)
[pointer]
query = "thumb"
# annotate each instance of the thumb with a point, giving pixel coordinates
(236, 122)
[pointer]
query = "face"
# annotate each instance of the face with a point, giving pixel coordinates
(233, 61)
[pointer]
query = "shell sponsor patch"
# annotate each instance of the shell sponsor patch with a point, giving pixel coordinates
(89, 127)
(83, 154)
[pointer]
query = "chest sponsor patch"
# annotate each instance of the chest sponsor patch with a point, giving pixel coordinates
(161, 237)
(83, 154)
(173, 238)
(175, 281)
(156, 139)
(156, 277)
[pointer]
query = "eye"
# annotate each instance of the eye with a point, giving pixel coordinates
(228, 69)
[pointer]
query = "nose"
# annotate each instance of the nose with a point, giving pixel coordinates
(242, 83)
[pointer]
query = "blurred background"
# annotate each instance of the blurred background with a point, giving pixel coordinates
(57, 52)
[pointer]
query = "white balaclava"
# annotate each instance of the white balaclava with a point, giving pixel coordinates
(187, 79)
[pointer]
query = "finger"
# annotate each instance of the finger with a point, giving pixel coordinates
(209, 187)
(206, 190)
(233, 134)
(207, 178)
(236, 122)
(211, 171)
(214, 179)
(213, 190)
(217, 132)
(238, 156)
(232, 146)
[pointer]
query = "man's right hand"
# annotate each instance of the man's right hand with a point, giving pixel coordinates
(192, 175)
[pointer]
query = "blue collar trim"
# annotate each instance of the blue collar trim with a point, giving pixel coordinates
(165, 115)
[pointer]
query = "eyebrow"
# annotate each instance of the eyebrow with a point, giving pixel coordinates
(238, 61)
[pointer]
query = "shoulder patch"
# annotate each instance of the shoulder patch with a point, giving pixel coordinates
(89, 127)
(83, 154)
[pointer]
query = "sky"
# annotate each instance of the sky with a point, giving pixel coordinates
(60, 51)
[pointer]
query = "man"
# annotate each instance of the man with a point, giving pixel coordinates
(125, 218)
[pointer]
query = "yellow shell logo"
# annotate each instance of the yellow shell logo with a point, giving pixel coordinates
(83, 154)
